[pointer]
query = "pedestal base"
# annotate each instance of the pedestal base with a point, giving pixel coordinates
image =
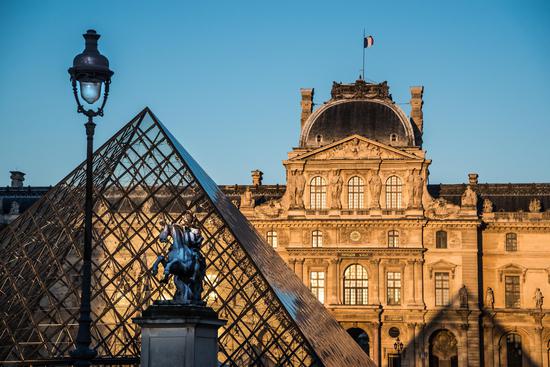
(174, 335)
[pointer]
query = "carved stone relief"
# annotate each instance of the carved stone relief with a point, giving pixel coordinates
(336, 183)
(375, 188)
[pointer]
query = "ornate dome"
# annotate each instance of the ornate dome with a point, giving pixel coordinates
(361, 108)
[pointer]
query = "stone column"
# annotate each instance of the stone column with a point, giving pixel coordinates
(412, 349)
(488, 343)
(333, 297)
(375, 283)
(537, 356)
(292, 264)
(410, 282)
(376, 341)
(179, 335)
(419, 282)
(299, 268)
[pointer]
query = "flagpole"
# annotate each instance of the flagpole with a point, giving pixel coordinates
(363, 54)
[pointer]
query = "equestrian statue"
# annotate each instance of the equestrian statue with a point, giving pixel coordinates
(184, 260)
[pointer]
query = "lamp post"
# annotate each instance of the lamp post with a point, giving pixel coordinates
(90, 69)
(398, 346)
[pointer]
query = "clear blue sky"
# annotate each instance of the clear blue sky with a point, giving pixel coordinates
(225, 77)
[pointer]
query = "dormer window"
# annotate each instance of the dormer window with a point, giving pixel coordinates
(318, 139)
(393, 138)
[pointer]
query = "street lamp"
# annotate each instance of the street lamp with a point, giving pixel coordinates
(91, 70)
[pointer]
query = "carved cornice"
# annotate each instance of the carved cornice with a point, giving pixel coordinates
(360, 90)
(442, 265)
(354, 252)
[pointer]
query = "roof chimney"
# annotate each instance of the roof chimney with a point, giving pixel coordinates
(17, 179)
(257, 176)
(472, 178)
(307, 104)
(417, 116)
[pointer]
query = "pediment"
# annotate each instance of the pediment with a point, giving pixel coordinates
(355, 147)
(512, 269)
(442, 265)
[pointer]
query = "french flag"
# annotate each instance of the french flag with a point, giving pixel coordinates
(368, 42)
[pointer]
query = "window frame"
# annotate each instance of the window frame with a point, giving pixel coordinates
(393, 238)
(394, 193)
(356, 192)
(394, 288)
(318, 193)
(442, 293)
(317, 284)
(444, 238)
(511, 242)
(316, 238)
(512, 297)
(356, 285)
(272, 238)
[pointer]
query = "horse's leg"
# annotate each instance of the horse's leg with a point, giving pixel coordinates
(155, 268)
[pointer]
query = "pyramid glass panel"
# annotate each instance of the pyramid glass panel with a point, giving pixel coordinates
(142, 176)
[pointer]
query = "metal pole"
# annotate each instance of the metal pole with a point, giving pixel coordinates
(83, 353)
(363, 53)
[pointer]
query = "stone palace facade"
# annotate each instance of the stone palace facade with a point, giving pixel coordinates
(420, 275)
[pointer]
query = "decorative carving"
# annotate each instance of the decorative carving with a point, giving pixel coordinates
(490, 298)
(355, 148)
(375, 187)
(539, 299)
(442, 265)
(355, 236)
(469, 198)
(360, 90)
(296, 183)
(487, 206)
(534, 205)
(445, 346)
(416, 189)
(336, 182)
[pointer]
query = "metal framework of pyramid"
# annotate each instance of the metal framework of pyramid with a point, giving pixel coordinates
(141, 175)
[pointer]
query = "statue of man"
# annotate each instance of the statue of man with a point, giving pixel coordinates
(490, 298)
(412, 189)
(336, 182)
(487, 206)
(375, 188)
(14, 209)
(539, 299)
(246, 199)
(418, 189)
(469, 197)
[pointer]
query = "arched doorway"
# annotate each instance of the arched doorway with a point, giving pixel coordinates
(443, 349)
(511, 351)
(361, 337)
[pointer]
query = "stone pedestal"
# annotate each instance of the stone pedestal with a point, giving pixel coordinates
(174, 335)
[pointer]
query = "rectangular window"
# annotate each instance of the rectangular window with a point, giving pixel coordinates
(272, 239)
(441, 239)
(511, 242)
(317, 239)
(394, 287)
(317, 284)
(393, 239)
(441, 289)
(512, 291)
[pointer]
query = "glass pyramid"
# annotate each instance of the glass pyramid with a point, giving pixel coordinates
(143, 175)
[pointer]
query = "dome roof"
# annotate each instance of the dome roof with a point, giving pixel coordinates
(374, 116)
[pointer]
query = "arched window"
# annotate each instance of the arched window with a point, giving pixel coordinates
(513, 351)
(356, 285)
(393, 238)
(511, 242)
(443, 349)
(272, 239)
(317, 239)
(356, 189)
(394, 190)
(393, 138)
(361, 337)
(318, 193)
(441, 239)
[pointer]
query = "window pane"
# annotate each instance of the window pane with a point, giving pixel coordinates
(441, 239)
(318, 193)
(356, 189)
(393, 239)
(317, 284)
(511, 242)
(394, 190)
(394, 288)
(512, 296)
(272, 239)
(441, 289)
(356, 285)
(317, 239)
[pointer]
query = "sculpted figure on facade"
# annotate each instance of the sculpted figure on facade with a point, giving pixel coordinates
(246, 199)
(336, 183)
(469, 198)
(490, 298)
(539, 299)
(295, 189)
(463, 296)
(487, 206)
(535, 205)
(375, 187)
(416, 188)
(14, 208)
